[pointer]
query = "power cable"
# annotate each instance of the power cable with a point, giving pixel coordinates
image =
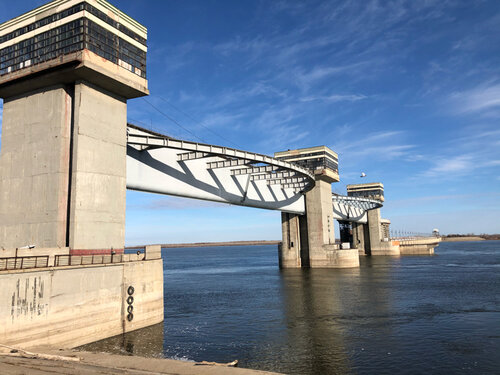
(174, 121)
(199, 123)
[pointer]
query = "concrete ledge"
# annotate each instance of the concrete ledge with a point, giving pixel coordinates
(386, 248)
(416, 250)
(75, 66)
(333, 257)
(419, 246)
(102, 363)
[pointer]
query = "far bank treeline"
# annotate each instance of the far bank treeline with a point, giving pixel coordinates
(483, 236)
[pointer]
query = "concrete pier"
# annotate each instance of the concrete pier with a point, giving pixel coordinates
(371, 238)
(63, 156)
(63, 177)
(309, 240)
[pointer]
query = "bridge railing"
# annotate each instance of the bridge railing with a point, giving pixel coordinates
(82, 260)
(16, 263)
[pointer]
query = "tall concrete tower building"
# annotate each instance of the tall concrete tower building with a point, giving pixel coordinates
(67, 69)
(309, 240)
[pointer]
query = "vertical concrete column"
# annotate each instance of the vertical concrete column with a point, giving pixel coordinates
(98, 184)
(374, 227)
(323, 252)
(289, 252)
(319, 210)
(358, 238)
(34, 168)
(376, 245)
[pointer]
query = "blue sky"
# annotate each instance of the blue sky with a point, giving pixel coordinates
(406, 91)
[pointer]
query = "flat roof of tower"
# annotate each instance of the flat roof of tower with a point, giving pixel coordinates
(300, 151)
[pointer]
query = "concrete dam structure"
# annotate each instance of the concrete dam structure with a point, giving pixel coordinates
(68, 155)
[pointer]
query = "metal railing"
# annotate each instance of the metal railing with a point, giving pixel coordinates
(16, 263)
(404, 235)
(82, 260)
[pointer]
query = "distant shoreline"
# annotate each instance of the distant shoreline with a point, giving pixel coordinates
(276, 242)
(465, 238)
(210, 244)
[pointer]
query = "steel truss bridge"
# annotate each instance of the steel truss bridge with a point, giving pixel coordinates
(160, 164)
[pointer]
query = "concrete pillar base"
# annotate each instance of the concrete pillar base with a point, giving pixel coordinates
(386, 248)
(417, 250)
(330, 256)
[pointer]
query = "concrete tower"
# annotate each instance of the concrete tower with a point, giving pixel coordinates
(371, 238)
(66, 71)
(309, 240)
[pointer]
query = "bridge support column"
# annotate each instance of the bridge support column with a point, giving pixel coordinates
(377, 245)
(34, 168)
(293, 251)
(62, 169)
(358, 238)
(323, 252)
(98, 178)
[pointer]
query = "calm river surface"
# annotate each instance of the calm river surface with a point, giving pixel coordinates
(406, 315)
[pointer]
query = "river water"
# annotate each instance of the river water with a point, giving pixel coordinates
(406, 315)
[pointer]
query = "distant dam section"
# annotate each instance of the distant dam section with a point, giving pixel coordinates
(210, 244)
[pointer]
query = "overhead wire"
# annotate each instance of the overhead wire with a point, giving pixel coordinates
(198, 122)
(174, 121)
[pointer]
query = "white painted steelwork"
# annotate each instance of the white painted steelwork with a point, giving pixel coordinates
(353, 208)
(160, 164)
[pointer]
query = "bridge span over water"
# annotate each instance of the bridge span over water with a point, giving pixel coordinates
(67, 70)
(157, 163)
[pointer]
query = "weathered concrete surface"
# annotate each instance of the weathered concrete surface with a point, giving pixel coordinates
(289, 251)
(358, 238)
(323, 253)
(34, 168)
(101, 363)
(419, 246)
(72, 306)
(377, 244)
(333, 257)
(98, 185)
(309, 240)
(37, 161)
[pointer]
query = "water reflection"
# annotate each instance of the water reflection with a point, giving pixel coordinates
(407, 315)
(310, 300)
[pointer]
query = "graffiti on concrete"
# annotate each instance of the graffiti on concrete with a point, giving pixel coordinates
(28, 299)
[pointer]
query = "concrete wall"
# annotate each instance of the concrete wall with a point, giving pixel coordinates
(320, 222)
(72, 306)
(48, 136)
(98, 185)
(289, 249)
(34, 167)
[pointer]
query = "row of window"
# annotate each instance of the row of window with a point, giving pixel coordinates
(101, 15)
(33, 45)
(53, 43)
(68, 12)
(318, 163)
(366, 193)
(48, 56)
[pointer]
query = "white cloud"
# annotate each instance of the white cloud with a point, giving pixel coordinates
(457, 165)
(481, 99)
(334, 98)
